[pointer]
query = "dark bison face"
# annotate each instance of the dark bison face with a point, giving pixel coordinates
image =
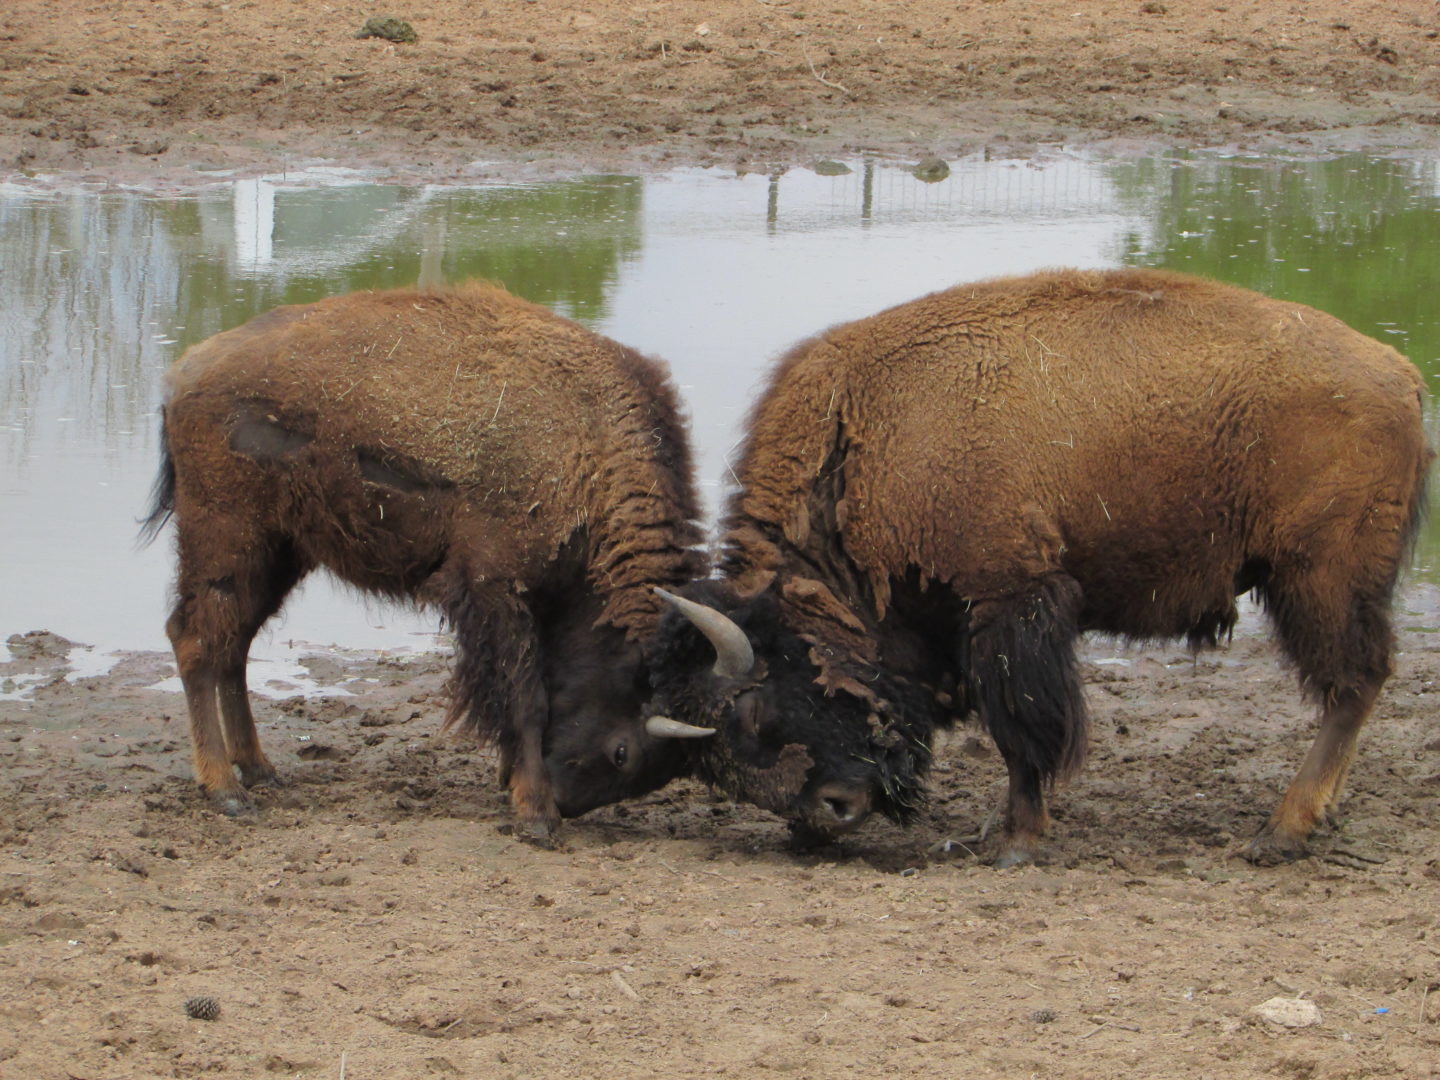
(598, 748)
(824, 761)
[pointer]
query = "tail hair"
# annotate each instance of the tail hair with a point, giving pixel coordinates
(162, 494)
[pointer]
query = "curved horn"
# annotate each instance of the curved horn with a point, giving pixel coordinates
(733, 655)
(662, 727)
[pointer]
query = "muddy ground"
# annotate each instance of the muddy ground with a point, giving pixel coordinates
(377, 919)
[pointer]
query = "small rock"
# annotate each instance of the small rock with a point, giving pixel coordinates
(1289, 1012)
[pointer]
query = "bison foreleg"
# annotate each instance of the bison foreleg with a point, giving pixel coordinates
(531, 795)
(1024, 683)
(499, 692)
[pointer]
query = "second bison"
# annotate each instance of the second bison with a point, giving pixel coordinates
(463, 448)
(936, 501)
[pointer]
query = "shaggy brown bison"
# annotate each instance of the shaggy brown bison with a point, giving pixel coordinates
(461, 448)
(935, 501)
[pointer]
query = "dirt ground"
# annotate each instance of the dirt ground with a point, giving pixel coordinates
(377, 919)
(140, 89)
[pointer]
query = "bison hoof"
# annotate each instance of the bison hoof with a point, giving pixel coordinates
(233, 804)
(260, 776)
(1270, 848)
(538, 833)
(1013, 857)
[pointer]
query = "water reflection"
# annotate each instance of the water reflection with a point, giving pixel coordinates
(715, 272)
(1356, 237)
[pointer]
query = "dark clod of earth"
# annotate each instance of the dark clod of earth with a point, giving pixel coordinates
(202, 1008)
(389, 28)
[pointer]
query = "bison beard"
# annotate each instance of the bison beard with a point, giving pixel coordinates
(936, 501)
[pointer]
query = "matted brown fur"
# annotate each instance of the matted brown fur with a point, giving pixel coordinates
(1123, 451)
(459, 447)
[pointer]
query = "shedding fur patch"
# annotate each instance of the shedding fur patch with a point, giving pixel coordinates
(258, 433)
(397, 471)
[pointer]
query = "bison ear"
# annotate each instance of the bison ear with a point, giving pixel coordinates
(733, 655)
(662, 727)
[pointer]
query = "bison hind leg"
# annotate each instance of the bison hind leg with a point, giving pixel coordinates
(226, 593)
(1023, 681)
(1314, 795)
(1339, 637)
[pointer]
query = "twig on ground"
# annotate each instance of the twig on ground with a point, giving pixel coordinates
(1110, 1023)
(1374, 860)
(1351, 860)
(821, 78)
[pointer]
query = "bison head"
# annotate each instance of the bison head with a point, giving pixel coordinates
(789, 739)
(599, 747)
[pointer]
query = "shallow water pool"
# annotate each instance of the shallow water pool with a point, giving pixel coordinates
(713, 271)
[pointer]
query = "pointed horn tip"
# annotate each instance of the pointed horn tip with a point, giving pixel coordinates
(734, 656)
(664, 727)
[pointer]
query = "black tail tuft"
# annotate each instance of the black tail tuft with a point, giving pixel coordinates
(162, 495)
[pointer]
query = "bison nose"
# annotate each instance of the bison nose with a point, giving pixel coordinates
(838, 807)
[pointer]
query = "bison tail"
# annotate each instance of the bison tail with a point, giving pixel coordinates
(1024, 680)
(162, 495)
(1419, 505)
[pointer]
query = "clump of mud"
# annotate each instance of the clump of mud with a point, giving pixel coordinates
(38, 644)
(390, 28)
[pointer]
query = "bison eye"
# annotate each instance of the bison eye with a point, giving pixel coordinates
(620, 755)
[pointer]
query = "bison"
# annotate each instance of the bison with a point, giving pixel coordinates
(461, 448)
(936, 501)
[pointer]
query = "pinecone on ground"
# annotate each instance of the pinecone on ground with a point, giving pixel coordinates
(202, 1008)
